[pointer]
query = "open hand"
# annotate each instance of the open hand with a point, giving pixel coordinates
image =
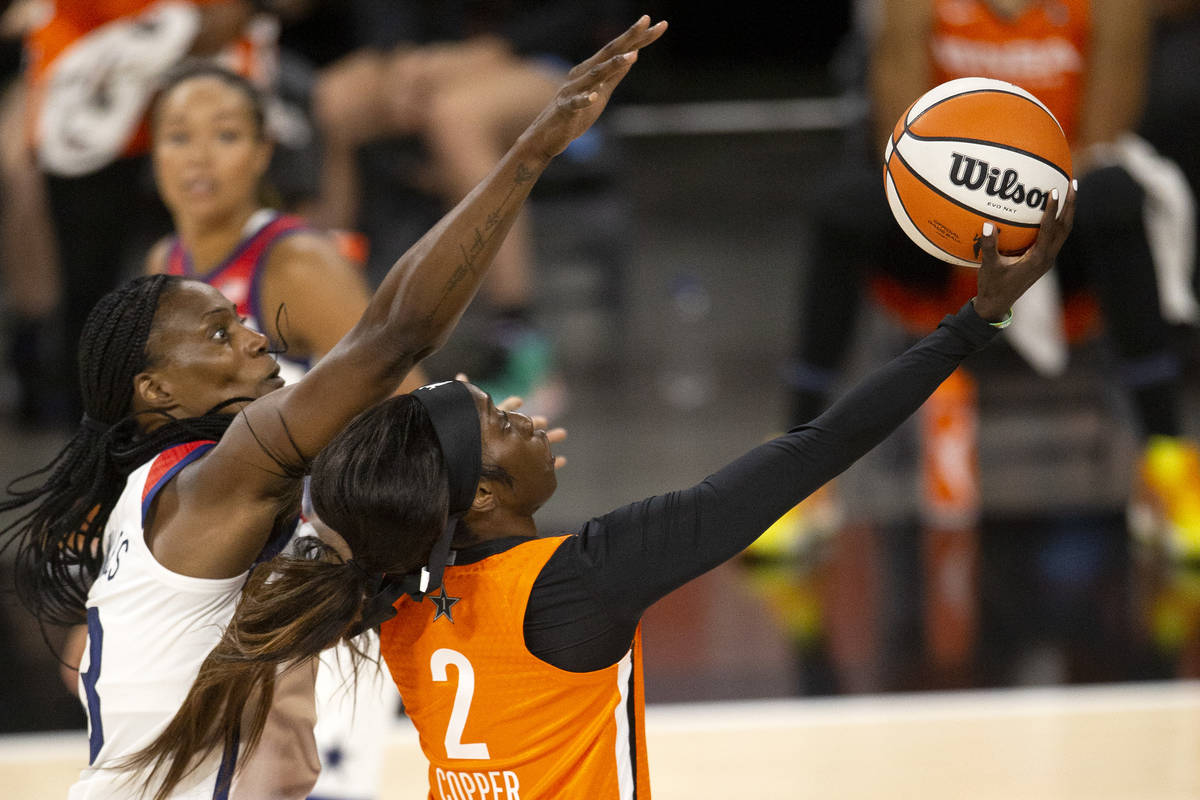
(588, 88)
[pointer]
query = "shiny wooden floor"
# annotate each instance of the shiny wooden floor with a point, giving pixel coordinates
(1128, 742)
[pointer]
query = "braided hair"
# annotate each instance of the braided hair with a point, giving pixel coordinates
(58, 538)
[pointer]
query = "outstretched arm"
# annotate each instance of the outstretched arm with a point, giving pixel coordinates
(223, 505)
(588, 600)
(418, 303)
(320, 295)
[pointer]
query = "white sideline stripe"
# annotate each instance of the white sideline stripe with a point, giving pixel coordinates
(23, 748)
(737, 116)
(624, 737)
(921, 706)
(742, 715)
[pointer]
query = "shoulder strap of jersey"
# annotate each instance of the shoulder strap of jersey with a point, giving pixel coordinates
(178, 262)
(167, 464)
(255, 250)
(245, 256)
(256, 245)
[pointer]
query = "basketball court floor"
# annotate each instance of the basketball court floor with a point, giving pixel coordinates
(1094, 743)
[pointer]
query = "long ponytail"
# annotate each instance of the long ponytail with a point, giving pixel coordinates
(381, 484)
(321, 598)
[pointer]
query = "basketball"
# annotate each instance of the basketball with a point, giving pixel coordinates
(973, 150)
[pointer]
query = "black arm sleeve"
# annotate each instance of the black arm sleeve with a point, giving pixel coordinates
(586, 603)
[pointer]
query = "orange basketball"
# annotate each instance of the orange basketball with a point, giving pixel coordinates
(973, 150)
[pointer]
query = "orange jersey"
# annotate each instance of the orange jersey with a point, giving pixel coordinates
(1043, 49)
(72, 23)
(495, 721)
(72, 20)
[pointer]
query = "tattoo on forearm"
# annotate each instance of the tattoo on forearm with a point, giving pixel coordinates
(481, 238)
(478, 242)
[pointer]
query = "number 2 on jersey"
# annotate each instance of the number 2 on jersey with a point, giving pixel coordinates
(455, 747)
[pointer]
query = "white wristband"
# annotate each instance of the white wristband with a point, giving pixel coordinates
(1002, 324)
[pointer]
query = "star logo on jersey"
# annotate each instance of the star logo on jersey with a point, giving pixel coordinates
(443, 602)
(333, 757)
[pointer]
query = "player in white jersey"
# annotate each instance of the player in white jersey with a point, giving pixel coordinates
(165, 362)
(189, 615)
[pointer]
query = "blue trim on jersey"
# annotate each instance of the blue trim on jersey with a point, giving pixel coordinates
(88, 679)
(185, 261)
(225, 773)
(171, 473)
(254, 301)
(279, 540)
(189, 266)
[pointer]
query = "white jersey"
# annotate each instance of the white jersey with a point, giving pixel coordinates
(149, 629)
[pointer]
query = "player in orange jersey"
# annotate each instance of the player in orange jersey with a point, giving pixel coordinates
(522, 672)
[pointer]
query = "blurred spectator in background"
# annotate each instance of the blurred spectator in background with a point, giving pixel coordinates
(1172, 114)
(27, 261)
(441, 90)
(1087, 60)
(91, 69)
(1171, 118)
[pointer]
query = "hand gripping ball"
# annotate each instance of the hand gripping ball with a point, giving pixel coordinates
(974, 150)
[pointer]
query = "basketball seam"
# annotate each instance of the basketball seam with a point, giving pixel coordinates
(916, 227)
(951, 97)
(998, 90)
(896, 154)
(989, 143)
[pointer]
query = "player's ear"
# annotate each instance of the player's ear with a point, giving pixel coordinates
(151, 393)
(485, 497)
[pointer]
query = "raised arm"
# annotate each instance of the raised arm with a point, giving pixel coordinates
(425, 293)
(624, 561)
(317, 295)
(218, 515)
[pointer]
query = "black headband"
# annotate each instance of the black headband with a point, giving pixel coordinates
(455, 418)
(451, 408)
